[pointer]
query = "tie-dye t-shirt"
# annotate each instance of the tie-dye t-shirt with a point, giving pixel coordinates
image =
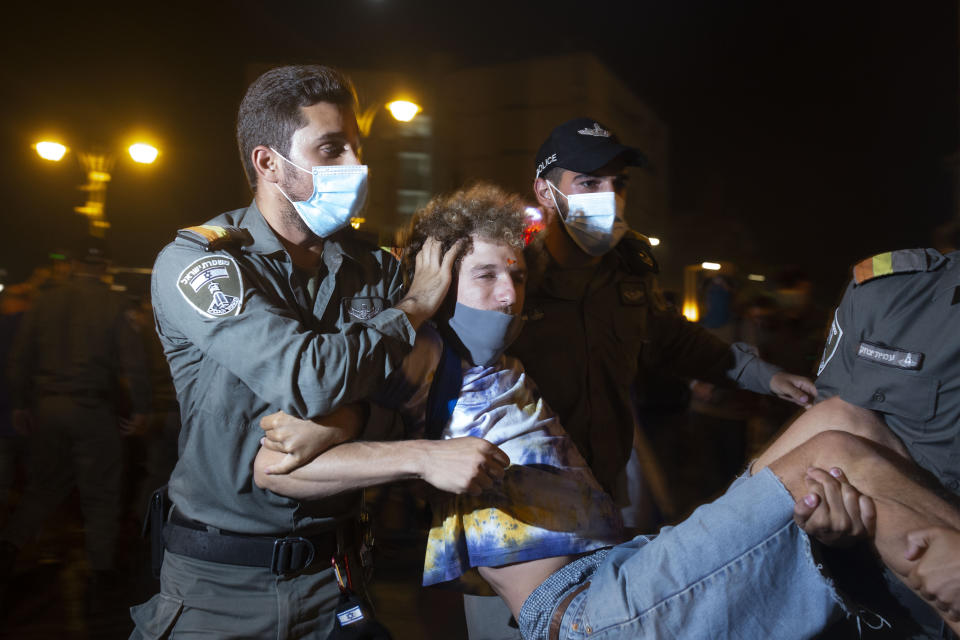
(549, 503)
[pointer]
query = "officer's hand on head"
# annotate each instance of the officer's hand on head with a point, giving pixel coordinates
(463, 465)
(303, 440)
(934, 554)
(833, 511)
(797, 389)
(432, 276)
(136, 425)
(23, 421)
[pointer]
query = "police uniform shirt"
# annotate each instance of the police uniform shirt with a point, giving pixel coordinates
(589, 331)
(894, 347)
(243, 341)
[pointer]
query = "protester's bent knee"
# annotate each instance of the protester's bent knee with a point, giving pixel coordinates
(834, 448)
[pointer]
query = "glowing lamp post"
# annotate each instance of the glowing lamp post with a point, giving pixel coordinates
(401, 110)
(97, 165)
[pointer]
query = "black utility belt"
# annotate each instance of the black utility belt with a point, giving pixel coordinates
(282, 556)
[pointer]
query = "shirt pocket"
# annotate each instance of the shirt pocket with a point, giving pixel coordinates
(907, 394)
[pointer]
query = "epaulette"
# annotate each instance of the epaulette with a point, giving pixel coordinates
(635, 251)
(213, 238)
(893, 262)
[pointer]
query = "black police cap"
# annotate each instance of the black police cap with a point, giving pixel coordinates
(584, 145)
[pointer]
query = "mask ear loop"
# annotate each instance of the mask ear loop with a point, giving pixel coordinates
(290, 161)
(552, 197)
(294, 164)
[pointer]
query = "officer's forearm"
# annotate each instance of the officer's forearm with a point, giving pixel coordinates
(352, 465)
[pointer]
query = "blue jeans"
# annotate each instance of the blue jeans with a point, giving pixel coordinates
(736, 568)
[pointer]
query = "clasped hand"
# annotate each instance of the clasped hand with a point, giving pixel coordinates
(303, 440)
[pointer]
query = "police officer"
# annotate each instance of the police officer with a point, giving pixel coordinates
(596, 319)
(598, 298)
(280, 306)
(71, 347)
(893, 347)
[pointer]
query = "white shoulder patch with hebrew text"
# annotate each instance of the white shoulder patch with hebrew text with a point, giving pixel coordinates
(213, 286)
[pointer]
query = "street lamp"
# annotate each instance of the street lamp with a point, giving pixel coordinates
(97, 165)
(401, 110)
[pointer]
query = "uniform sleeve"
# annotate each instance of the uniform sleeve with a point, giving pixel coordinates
(836, 362)
(690, 351)
(261, 342)
(749, 371)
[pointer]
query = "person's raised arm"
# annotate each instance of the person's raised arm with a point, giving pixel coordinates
(297, 370)
(431, 280)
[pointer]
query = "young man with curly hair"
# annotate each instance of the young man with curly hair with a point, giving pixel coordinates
(736, 568)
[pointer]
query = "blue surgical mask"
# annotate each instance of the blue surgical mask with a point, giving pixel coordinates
(594, 221)
(339, 193)
(484, 334)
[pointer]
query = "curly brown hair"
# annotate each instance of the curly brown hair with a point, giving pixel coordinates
(483, 210)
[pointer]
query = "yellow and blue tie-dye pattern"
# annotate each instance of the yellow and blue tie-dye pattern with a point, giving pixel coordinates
(548, 504)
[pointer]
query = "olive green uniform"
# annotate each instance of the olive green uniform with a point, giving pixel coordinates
(248, 334)
(590, 331)
(68, 353)
(894, 347)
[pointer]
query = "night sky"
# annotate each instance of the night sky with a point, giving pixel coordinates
(820, 132)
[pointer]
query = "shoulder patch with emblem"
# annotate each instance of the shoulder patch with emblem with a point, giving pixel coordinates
(833, 341)
(893, 262)
(635, 251)
(362, 308)
(213, 286)
(214, 238)
(633, 294)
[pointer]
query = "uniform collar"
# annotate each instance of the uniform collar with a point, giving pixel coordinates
(266, 242)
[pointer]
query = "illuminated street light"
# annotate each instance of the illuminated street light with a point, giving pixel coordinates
(48, 150)
(97, 165)
(143, 153)
(710, 266)
(756, 277)
(654, 242)
(403, 110)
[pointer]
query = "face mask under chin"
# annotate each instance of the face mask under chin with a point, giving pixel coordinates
(482, 336)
